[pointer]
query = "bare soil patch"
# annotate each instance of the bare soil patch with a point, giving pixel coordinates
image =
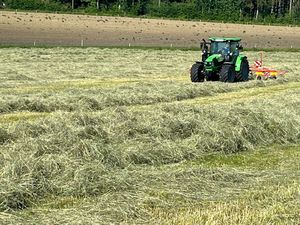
(62, 29)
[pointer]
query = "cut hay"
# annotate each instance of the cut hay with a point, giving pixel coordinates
(78, 152)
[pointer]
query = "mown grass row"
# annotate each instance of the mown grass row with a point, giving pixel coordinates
(99, 99)
(185, 193)
(32, 108)
(73, 155)
(47, 80)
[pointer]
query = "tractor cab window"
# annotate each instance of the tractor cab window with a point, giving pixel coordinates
(217, 47)
(233, 46)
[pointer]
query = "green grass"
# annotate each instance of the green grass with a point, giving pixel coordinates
(272, 198)
(276, 157)
(121, 136)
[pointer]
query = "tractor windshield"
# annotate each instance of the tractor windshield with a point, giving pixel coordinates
(217, 47)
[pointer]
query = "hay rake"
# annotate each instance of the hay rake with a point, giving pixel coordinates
(262, 72)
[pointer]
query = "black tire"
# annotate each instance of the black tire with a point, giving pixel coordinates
(243, 74)
(252, 76)
(227, 73)
(212, 76)
(197, 74)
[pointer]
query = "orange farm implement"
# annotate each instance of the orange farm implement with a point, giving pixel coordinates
(262, 72)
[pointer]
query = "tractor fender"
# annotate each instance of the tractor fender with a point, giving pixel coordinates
(238, 62)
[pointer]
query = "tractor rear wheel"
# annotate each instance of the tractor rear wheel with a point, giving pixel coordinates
(197, 74)
(227, 73)
(243, 74)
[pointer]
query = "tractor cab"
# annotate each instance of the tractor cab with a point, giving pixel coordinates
(225, 46)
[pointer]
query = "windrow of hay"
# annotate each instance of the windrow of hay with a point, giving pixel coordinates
(145, 94)
(76, 154)
(67, 79)
(163, 195)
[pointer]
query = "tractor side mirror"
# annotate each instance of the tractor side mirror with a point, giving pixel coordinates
(203, 44)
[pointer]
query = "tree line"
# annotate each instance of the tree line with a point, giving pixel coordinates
(268, 11)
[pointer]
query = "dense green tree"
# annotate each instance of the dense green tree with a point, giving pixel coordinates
(287, 11)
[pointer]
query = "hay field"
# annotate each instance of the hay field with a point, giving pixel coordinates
(121, 136)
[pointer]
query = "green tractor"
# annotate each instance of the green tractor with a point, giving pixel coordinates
(221, 61)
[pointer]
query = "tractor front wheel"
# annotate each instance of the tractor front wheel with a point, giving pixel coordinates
(227, 73)
(197, 74)
(243, 74)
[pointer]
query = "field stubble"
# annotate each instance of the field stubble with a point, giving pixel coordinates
(121, 136)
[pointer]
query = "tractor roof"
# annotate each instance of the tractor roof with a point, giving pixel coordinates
(221, 39)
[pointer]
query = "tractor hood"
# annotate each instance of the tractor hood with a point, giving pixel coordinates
(213, 62)
(214, 57)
